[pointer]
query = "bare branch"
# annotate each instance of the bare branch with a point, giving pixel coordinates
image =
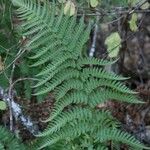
(17, 113)
(93, 47)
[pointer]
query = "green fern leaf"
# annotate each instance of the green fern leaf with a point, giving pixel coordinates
(8, 140)
(101, 96)
(93, 84)
(79, 83)
(61, 120)
(66, 86)
(57, 80)
(94, 61)
(56, 72)
(100, 73)
(107, 134)
(77, 97)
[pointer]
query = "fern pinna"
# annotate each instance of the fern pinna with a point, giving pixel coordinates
(9, 141)
(79, 83)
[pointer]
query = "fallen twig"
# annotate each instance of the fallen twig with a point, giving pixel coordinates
(93, 47)
(17, 113)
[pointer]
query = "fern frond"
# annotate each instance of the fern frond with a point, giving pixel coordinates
(62, 29)
(94, 61)
(67, 36)
(80, 43)
(10, 141)
(77, 129)
(52, 66)
(101, 73)
(52, 45)
(93, 84)
(66, 86)
(65, 133)
(107, 134)
(47, 58)
(105, 119)
(101, 96)
(66, 117)
(77, 97)
(79, 30)
(78, 83)
(49, 76)
(40, 39)
(80, 114)
(57, 80)
(32, 30)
